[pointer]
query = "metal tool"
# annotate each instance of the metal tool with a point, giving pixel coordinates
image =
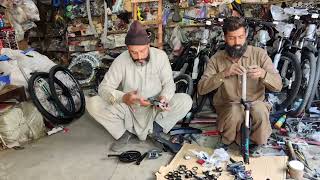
(128, 156)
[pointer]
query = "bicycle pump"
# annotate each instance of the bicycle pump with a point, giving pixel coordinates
(245, 127)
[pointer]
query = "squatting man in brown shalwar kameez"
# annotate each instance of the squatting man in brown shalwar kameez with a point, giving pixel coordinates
(223, 73)
(135, 75)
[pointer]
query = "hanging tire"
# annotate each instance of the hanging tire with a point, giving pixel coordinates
(307, 58)
(64, 75)
(184, 84)
(39, 90)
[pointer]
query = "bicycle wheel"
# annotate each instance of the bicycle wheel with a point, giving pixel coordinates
(82, 67)
(315, 84)
(309, 74)
(39, 90)
(290, 72)
(184, 84)
(199, 101)
(65, 76)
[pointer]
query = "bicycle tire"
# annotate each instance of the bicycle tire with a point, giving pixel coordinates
(292, 94)
(307, 56)
(88, 58)
(199, 102)
(211, 103)
(47, 115)
(187, 80)
(199, 99)
(315, 84)
(79, 111)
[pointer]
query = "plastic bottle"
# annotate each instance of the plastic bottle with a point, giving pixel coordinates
(280, 121)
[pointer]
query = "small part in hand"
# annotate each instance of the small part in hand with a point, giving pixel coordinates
(155, 102)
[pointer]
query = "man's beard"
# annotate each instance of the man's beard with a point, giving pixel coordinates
(141, 62)
(236, 51)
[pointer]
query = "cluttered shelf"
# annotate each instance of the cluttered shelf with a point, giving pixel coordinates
(185, 25)
(92, 35)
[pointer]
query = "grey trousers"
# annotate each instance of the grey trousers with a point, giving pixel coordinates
(118, 118)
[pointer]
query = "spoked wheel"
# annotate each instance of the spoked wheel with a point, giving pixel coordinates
(64, 75)
(39, 90)
(184, 84)
(290, 72)
(83, 67)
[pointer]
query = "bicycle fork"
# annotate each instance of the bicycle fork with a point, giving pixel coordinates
(245, 128)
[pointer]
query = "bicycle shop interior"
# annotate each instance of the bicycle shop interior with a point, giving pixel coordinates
(55, 54)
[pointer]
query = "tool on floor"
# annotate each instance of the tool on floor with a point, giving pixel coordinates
(152, 154)
(141, 158)
(128, 156)
(239, 170)
(245, 127)
(165, 144)
(296, 168)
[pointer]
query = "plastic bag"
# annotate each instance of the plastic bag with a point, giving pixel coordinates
(262, 36)
(5, 3)
(28, 25)
(278, 13)
(285, 29)
(31, 63)
(298, 12)
(177, 39)
(31, 11)
(117, 7)
(17, 14)
(21, 124)
(115, 40)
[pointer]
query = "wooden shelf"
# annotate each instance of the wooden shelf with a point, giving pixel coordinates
(55, 51)
(185, 26)
(153, 22)
(92, 35)
(143, 1)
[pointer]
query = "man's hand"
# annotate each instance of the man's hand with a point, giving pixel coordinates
(234, 69)
(256, 72)
(164, 104)
(131, 98)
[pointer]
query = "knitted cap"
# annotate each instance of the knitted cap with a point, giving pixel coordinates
(137, 35)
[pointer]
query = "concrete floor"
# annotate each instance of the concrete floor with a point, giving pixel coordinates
(80, 154)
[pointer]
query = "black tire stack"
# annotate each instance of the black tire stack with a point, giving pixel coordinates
(63, 98)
